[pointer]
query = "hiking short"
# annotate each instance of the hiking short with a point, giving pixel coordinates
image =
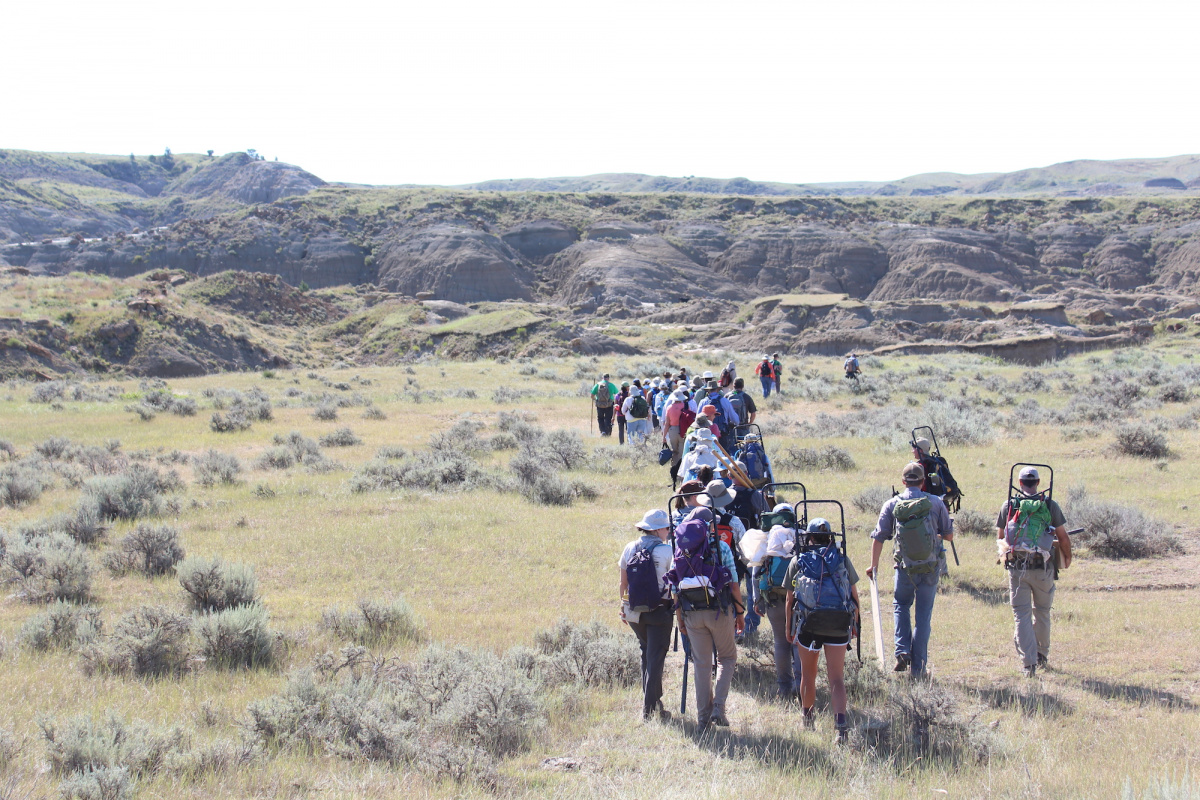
(814, 643)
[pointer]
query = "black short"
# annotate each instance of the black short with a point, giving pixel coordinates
(814, 643)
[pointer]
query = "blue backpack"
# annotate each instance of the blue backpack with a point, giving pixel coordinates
(645, 590)
(824, 605)
(771, 577)
(755, 458)
(721, 421)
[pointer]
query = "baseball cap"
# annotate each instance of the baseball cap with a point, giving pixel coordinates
(913, 472)
(1030, 474)
(654, 520)
(923, 443)
(819, 525)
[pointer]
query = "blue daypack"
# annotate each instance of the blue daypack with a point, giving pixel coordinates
(824, 605)
(645, 590)
(755, 458)
(771, 577)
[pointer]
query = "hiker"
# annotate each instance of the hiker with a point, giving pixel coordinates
(919, 523)
(730, 530)
(766, 375)
(728, 376)
(603, 394)
(699, 456)
(637, 415)
(652, 398)
(723, 416)
(850, 365)
(742, 403)
(646, 604)
(676, 417)
(772, 603)
(709, 611)
(829, 611)
(1030, 531)
(618, 414)
(938, 479)
(777, 369)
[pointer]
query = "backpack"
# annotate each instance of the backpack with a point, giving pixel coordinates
(824, 605)
(686, 418)
(1028, 523)
(738, 402)
(645, 590)
(639, 408)
(765, 370)
(770, 519)
(726, 379)
(725, 534)
(695, 557)
(916, 539)
(933, 476)
(719, 419)
(604, 397)
(755, 458)
(770, 579)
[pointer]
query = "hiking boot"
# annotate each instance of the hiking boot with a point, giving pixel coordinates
(720, 720)
(842, 736)
(1043, 661)
(810, 718)
(1030, 671)
(902, 662)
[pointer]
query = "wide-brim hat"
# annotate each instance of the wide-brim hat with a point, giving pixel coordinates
(654, 520)
(719, 493)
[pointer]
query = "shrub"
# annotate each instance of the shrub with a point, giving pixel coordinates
(50, 567)
(48, 392)
(869, 501)
(503, 441)
(449, 714)
(133, 494)
(276, 458)
(391, 451)
(7, 451)
(21, 483)
(422, 470)
(237, 637)
(342, 437)
(108, 752)
(375, 413)
(1115, 530)
(827, 457)
(564, 448)
(374, 623)
(148, 549)
(235, 420)
(148, 641)
(61, 626)
(325, 412)
(98, 783)
(973, 523)
(1142, 441)
(215, 585)
(587, 654)
(55, 448)
(213, 467)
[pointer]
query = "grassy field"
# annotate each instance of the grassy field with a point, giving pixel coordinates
(489, 569)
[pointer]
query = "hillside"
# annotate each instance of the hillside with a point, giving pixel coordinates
(650, 269)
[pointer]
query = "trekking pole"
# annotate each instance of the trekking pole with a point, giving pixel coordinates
(954, 550)
(687, 658)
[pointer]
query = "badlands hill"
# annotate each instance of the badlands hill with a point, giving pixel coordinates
(796, 273)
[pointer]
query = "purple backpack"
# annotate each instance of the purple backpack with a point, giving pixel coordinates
(695, 558)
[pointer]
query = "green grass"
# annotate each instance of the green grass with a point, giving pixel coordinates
(490, 323)
(489, 570)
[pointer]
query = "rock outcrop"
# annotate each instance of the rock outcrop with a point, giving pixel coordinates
(456, 263)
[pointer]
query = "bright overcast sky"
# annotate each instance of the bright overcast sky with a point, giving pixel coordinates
(448, 92)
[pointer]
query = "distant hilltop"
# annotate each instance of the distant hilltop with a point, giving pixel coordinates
(1085, 178)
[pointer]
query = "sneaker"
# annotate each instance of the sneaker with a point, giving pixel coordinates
(902, 662)
(1030, 671)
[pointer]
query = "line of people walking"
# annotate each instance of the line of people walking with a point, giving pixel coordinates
(724, 558)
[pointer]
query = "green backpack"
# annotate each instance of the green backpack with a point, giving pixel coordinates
(1028, 524)
(916, 538)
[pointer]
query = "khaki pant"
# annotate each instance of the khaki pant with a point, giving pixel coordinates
(708, 630)
(675, 442)
(1031, 592)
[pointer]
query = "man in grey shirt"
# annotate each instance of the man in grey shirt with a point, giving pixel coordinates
(917, 569)
(1031, 569)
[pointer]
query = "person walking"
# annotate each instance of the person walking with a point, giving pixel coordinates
(819, 536)
(728, 376)
(709, 611)
(918, 523)
(603, 396)
(777, 370)
(673, 434)
(637, 416)
(766, 375)
(646, 604)
(772, 604)
(742, 403)
(850, 365)
(1030, 531)
(618, 414)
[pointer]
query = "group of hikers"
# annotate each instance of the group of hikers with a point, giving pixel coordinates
(731, 550)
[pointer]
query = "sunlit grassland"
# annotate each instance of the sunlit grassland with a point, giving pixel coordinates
(490, 569)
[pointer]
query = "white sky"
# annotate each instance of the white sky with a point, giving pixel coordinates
(454, 91)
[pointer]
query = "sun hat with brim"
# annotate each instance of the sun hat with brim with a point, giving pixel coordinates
(707, 375)
(719, 493)
(654, 520)
(704, 433)
(913, 473)
(710, 414)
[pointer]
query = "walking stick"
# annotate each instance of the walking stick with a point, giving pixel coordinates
(954, 550)
(687, 658)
